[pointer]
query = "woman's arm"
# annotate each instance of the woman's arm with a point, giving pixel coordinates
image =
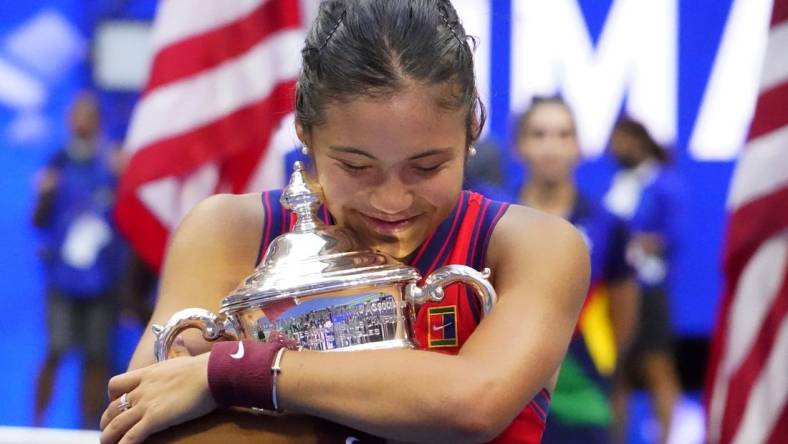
(211, 251)
(541, 275)
(541, 268)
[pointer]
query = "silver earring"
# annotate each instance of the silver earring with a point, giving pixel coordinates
(305, 150)
(472, 151)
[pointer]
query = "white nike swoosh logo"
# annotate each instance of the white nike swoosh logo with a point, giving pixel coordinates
(240, 353)
(441, 327)
(351, 440)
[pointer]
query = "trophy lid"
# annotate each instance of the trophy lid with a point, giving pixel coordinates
(314, 257)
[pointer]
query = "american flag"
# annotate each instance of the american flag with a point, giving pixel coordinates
(215, 114)
(747, 385)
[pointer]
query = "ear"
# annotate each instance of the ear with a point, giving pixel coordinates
(303, 134)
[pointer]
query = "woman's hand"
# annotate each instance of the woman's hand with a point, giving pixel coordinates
(160, 396)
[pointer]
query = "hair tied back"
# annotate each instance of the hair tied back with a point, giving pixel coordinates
(331, 34)
(445, 17)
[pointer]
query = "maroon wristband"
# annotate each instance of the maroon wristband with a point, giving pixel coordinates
(239, 373)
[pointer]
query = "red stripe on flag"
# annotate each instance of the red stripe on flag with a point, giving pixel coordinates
(142, 229)
(239, 167)
(210, 49)
(745, 377)
(751, 225)
(779, 13)
(770, 113)
(780, 430)
(748, 228)
(220, 139)
(717, 345)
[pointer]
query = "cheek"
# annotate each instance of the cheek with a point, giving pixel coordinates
(338, 190)
(442, 191)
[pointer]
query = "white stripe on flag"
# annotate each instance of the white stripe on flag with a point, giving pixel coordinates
(215, 93)
(270, 173)
(758, 285)
(776, 71)
(171, 198)
(760, 170)
(769, 394)
(178, 20)
(761, 276)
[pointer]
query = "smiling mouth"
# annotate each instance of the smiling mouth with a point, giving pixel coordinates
(389, 227)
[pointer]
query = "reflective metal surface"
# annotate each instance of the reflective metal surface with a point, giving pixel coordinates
(318, 287)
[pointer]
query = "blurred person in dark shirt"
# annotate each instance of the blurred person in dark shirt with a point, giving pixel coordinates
(82, 255)
(646, 193)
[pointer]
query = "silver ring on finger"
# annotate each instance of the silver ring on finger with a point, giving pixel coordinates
(124, 403)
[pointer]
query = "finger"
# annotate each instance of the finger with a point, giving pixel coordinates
(112, 410)
(121, 384)
(108, 414)
(140, 431)
(120, 425)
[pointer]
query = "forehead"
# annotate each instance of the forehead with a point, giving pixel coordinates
(84, 106)
(409, 119)
(549, 113)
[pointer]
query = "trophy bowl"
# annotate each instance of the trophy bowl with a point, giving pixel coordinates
(318, 289)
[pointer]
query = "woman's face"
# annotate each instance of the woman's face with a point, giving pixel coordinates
(548, 143)
(391, 168)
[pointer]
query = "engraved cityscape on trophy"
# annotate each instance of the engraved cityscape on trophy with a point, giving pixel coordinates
(342, 322)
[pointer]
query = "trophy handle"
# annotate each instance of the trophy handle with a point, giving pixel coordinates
(213, 328)
(432, 291)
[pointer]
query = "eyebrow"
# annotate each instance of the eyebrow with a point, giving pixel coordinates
(353, 150)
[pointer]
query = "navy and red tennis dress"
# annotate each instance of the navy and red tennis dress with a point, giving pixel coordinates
(462, 238)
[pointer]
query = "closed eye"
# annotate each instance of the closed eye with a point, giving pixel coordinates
(425, 169)
(353, 167)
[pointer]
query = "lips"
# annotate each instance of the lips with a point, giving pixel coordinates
(389, 226)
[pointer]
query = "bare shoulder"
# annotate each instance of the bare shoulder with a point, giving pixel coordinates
(213, 249)
(217, 243)
(528, 239)
(535, 230)
(230, 223)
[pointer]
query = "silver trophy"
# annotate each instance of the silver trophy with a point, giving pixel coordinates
(318, 287)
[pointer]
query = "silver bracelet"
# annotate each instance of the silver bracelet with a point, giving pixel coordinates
(276, 369)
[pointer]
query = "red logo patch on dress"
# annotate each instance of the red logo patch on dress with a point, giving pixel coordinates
(442, 326)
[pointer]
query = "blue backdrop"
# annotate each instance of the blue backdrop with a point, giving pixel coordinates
(31, 127)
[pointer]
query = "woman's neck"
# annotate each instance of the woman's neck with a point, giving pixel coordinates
(554, 198)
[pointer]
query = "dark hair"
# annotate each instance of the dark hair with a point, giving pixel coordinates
(637, 130)
(377, 47)
(522, 121)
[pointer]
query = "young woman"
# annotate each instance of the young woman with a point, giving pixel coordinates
(581, 410)
(387, 106)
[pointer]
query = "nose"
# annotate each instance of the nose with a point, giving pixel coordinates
(391, 196)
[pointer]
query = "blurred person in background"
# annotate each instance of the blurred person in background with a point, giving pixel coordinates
(581, 410)
(82, 256)
(645, 193)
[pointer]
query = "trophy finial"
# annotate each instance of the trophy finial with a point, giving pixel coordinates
(302, 199)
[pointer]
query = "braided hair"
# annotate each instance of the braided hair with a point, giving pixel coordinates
(378, 47)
